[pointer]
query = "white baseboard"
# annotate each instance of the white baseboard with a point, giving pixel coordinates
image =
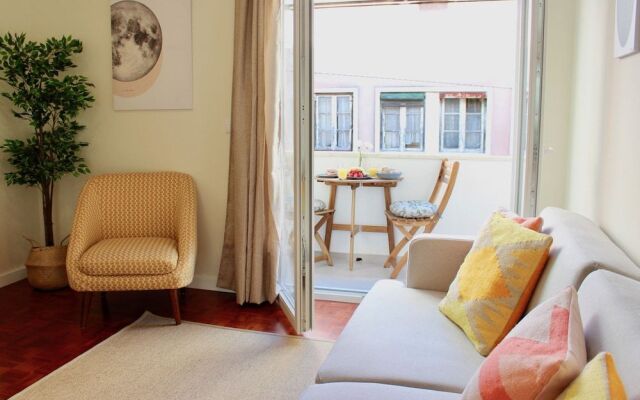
(332, 295)
(207, 282)
(9, 277)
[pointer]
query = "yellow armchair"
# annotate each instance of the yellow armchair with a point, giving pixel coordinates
(134, 231)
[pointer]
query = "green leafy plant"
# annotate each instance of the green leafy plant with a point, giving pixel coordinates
(49, 100)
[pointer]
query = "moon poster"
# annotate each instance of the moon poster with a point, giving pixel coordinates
(151, 56)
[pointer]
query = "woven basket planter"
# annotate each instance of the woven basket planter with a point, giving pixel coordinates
(46, 267)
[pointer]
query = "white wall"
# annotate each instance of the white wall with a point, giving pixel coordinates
(484, 184)
(194, 141)
(595, 99)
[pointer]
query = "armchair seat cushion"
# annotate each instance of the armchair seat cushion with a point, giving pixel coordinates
(130, 256)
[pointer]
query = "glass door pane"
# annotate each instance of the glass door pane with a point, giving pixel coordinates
(294, 165)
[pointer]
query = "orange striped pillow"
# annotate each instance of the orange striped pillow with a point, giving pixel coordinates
(538, 358)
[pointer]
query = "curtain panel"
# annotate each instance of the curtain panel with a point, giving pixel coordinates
(250, 252)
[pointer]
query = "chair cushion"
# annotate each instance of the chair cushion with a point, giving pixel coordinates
(495, 281)
(397, 336)
(598, 380)
(130, 256)
(372, 391)
(610, 310)
(413, 209)
(539, 358)
(319, 205)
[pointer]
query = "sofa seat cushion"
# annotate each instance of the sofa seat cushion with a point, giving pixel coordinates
(610, 310)
(398, 336)
(130, 256)
(372, 391)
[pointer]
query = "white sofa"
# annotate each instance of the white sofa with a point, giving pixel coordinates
(399, 346)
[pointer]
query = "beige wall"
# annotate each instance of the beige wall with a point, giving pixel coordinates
(556, 104)
(194, 141)
(596, 99)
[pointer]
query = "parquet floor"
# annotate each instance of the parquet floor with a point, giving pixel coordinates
(40, 331)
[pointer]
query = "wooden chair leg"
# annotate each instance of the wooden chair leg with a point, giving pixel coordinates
(391, 260)
(105, 304)
(326, 255)
(175, 306)
(85, 307)
(399, 265)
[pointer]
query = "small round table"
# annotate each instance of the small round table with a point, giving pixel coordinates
(354, 229)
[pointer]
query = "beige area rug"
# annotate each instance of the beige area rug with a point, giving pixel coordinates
(154, 359)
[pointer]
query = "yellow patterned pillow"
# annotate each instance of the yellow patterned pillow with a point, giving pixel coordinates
(598, 380)
(495, 281)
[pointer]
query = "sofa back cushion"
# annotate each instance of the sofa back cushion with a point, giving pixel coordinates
(579, 248)
(610, 310)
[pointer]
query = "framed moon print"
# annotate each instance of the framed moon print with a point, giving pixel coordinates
(151, 59)
(626, 38)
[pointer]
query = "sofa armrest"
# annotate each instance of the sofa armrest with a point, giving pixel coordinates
(434, 260)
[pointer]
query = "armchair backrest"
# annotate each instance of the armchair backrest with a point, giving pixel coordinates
(139, 204)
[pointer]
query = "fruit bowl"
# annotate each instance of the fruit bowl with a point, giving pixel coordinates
(356, 173)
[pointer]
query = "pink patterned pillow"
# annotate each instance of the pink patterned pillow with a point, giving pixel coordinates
(538, 358)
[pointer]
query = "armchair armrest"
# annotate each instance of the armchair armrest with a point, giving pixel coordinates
(434, 260)
(85, 231)
(186, 231)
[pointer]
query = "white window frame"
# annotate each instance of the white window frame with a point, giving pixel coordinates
(433, 117)
(334, 92)
(462, 126)
(378, 118)
(403, 127)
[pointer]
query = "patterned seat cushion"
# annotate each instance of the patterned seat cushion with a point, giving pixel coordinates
(319, 205)
(130, 256)
(413, 209)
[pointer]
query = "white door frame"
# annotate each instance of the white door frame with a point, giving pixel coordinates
(303, 158)
(526, 149)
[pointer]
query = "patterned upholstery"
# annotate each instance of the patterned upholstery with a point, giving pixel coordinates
(413, 209)
(116, 256)
(134, 231)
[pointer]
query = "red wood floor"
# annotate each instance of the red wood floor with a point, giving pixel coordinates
(40, 331)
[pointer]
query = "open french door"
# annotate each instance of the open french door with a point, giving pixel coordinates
(294, 164)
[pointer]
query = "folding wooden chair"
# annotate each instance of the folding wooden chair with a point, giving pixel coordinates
(410, 226)
(324, 216)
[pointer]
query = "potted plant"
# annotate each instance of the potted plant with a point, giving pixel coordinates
(49, 99)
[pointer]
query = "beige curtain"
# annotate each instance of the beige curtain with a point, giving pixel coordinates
(250, 253)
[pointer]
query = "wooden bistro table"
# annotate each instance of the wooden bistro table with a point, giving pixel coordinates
(354, 229)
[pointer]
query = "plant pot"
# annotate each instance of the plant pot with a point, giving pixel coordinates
(46, 267)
